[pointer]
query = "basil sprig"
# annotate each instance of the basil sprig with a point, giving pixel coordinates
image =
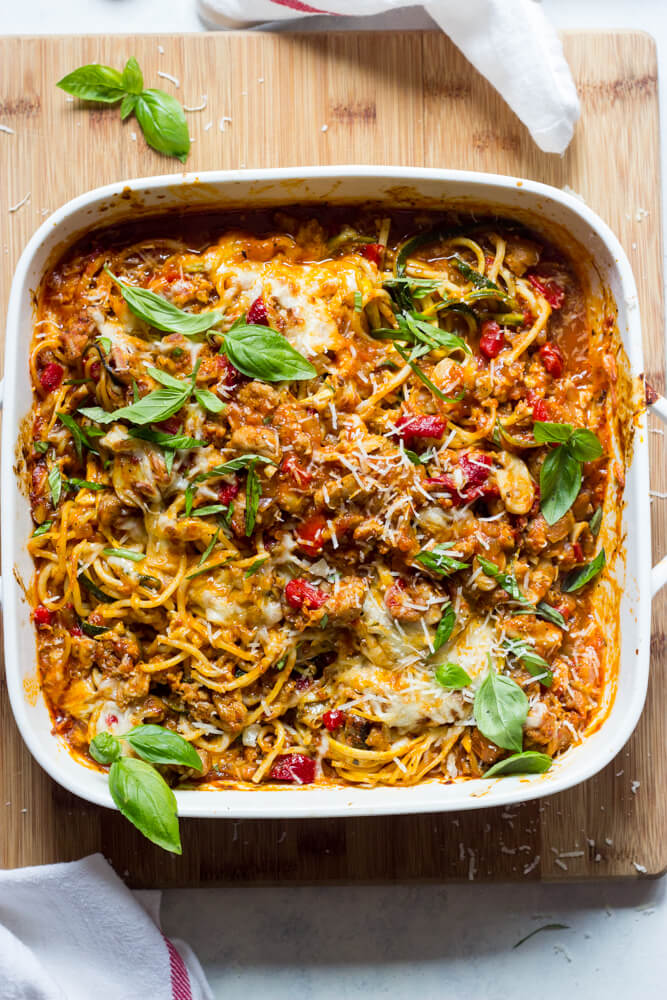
(413, 328)
(509, 584)
(233, 465)
(536, 665)
(582, 575)
(264, 354)
(438, 561)
(451, 675)
(445, 627)
(55, 481)
(560, 475)
(138, 789)
(527, 762)
(423, 377)
(174, 442)
(160, 116)
(501, 708)
(162, 314)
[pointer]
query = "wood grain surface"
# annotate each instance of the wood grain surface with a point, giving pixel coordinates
(392, 98)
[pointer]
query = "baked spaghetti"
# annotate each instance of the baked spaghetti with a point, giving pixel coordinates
(309, 532)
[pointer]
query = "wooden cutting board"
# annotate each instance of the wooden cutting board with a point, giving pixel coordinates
(392, 98)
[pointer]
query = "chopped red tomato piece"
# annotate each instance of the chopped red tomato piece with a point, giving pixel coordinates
(310, 537)
(333, 719)
(230, 376)
(301, 594)
(411, 429)
(227, 492)
(294, 767)
(373, 252)
(492, 340)
(552, 359)
(257, 313)
(578, 552)
(42, 616)
(291, 464)
(539, 406)
(475, 485)
(51, 376)
(549, 288)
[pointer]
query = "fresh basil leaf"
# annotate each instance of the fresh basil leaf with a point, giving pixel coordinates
(207, 569)
(477, 279)
(546, 432)
(211, 545)
(445, 627)
(146, 800)
(500, 710)
(163, 746)
(264, 354)
(437, 560)
(105, 748)
(175, 442)
(162, 314)
(595, 522)
(423, 377)
(584, 445)
(413, 456)
(94, 83)
(209, 401)
(433, 336)
(526, 762)
(132, 79)
(358, 301)
(214, 508)
(253, 490)
(42, 529)
(41, 447)
(536, 665)
(549, 614)
(582, 575)
(150, 409)
(135, 391)
(127, 106)
(80, 484)
(451, 675)
(79, 434)
(233, 465)
(560, 482)
(164, 378)
(505, 580)
(255, 567)
(163, 123)
(105, 343)
(92, 588)
(124, 554)
(55, 484)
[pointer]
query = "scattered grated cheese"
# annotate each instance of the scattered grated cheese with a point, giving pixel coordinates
(223, 122)
(198, 107)
(168, 76)
(561, 864)
(160, 49)
(527, 869)
(325, 128)
(7, 129)
(640, 868)
(634, 786)
(19, 204)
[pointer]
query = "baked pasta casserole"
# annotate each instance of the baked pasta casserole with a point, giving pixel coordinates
(321, 491)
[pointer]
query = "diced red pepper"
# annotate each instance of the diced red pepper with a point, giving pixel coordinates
(230, 377)
(411, 429)
(257, 313)
(552, 360)
(300, 475)
(42, 616)
(301, 594)
(333, 719)
(310, 537)
(476, 485)
(578, 552)
(51, 376)
(227, 492)
(550, 289)
(170, 426)
(294, 767)
(492, 339)
(373, 252)
(539, 407)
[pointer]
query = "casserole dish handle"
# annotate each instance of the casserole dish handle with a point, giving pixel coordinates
(659, 571)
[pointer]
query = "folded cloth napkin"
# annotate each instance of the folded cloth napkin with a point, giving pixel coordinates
(510, 42)
(75, 932)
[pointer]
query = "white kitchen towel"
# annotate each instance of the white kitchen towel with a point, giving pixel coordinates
(510, 42)
(76, 932)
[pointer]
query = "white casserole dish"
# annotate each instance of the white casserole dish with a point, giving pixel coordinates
(542, 207)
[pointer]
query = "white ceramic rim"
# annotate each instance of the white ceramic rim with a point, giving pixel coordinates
(309, 801)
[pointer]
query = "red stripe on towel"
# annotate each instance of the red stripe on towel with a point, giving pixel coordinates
(304, 8)
(180, 980)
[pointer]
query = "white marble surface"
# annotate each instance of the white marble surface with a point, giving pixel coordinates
(435, 943)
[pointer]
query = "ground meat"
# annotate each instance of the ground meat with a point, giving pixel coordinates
(484, 749)
(346, 601)
(115, 654)
(356, 731)
(258, 440)
(546, 637)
